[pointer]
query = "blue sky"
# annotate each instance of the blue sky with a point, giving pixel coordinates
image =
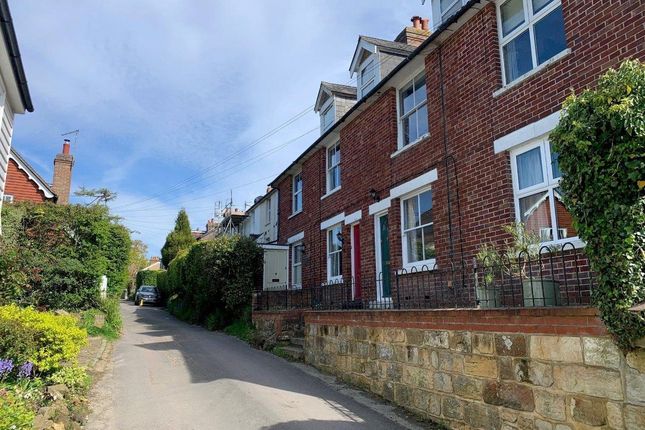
(169, 95)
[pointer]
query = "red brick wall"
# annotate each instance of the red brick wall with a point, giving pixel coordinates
(475, 180)
(21, 187)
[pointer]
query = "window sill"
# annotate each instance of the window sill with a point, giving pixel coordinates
(329, 193)
(574, 242)
(532, 73)
(294, 214)
(410, 145)
(333, 281)
(419, 266)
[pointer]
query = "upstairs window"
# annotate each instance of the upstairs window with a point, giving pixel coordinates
(538, 200)
(367, 76)
(297, 193)
(531, 32)
(327, 117)
(267, 217)
(449, 8)
(333, 167)
(334, 254)
(413, 111)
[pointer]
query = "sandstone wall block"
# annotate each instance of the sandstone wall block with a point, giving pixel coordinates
(592, 381)
(634, 417)
(556, 348)
(436, 339)
(482, 416)
(467, 387)
(588, 410)
(483, 343)
(460, 341)
(509, 395)
(601, 352)
(550, 405)
(510, 345)
(479, 365)
(442, 382)
(452, 408)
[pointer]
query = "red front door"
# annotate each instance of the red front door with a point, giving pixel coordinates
(356, 260)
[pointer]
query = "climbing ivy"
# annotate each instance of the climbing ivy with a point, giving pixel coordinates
(601, 145)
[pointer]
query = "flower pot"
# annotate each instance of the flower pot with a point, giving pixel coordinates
(487, 297)
(540, 292)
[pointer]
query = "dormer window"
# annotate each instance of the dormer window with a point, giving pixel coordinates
(442, 10)
(367, 77)
(333, 101)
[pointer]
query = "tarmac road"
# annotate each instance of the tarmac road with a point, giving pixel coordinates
(166, 374)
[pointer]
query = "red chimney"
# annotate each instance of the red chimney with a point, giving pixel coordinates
(416, 22)
(425, 24)
(66, 146)
(415, 35)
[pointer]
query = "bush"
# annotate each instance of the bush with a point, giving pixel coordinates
(111, 329)
(54, 256)
(601, 145)
(214, 280)
(15, 413)
(75, 378)
(147, 277)
(56, 338)
(241, 329)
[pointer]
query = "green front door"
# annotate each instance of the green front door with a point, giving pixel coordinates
(385, 256)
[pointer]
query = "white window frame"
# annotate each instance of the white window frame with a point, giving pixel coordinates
(530, 20)
(330, 277)
(440, 15)
(429, 263)
(399, 110)
(328, 106)
(295, 266)
(267, 213)
(372, 75)
(295, 193)
(548, 184)
(329, 169)
(7, 198)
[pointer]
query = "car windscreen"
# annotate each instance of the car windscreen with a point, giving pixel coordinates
(148, 289)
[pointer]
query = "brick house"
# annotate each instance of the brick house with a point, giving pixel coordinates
(447, 140)
(25, 184)
(14, 92)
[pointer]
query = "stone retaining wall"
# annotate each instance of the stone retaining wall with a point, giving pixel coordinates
(546, 369)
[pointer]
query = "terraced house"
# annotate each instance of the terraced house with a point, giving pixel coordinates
(443, 142)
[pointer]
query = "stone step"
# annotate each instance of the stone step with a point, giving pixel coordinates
(293, 352)
(299, 341)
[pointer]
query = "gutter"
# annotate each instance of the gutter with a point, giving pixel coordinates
(11, 43)
(433, 36)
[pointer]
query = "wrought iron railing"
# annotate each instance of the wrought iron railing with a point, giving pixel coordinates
(550, 278)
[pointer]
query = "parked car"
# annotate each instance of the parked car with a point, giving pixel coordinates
(147, 294)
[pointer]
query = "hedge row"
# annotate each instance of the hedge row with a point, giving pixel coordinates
(54, 256)
(147, 277)
(212, 282)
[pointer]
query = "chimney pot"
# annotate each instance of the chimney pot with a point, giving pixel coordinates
(425, 24)
(66, 146)
(416, 22)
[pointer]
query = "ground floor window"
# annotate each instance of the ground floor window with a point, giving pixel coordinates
(297, 252)
(418, 229)
(334, 253)
(538, 199)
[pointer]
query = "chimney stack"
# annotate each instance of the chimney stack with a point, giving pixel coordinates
(417, 33)
(62, 182)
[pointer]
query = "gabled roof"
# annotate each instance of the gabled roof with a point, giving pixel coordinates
(373, 45)
(441, 33)
(341, 90)
(31, 172)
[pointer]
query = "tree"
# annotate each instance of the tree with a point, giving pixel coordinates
(98, 195)
(177, 240)
(601, 145)
(137, 260)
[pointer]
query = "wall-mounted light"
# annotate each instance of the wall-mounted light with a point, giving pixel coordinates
(374, 195)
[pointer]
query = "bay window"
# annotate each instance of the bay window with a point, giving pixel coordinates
(538, 199)
(418, 230)
(531, 32)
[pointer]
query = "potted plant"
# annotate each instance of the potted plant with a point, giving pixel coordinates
(523, 247)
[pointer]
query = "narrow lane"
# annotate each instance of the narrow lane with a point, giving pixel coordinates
(166, 374)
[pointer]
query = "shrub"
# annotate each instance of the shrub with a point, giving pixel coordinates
(162, 285)
(147, 277)
(15, 413)
(17, 342)
(241, 329)
(111, 329)
(57, 338)
(601, 145)
(74, 377)
(53, 256)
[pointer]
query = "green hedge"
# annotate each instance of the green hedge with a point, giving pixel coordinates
(601, 145)
(147, 277)
(213, 281)
(54, 256)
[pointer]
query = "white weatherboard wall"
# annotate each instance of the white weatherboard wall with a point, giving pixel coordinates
(6, 132)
